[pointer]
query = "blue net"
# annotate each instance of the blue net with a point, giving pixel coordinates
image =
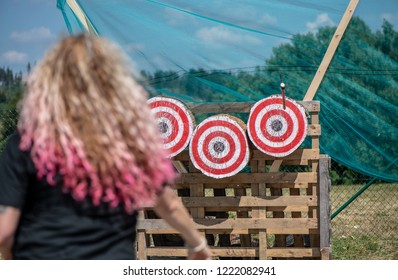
(233, 51)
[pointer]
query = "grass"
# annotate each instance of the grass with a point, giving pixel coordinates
(367, 228)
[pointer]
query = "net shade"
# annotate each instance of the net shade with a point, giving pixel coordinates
(234, 51)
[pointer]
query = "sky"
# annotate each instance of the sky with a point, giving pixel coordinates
(30, 27)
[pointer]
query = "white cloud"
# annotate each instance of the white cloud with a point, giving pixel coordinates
(14, 57)
(245, 14)
(224, 36)
(34, 35)
(47, 2)
(392, 18)
(268, 19)
(321, 21)
(179, 18)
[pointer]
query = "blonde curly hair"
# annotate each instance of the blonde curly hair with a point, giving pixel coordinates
(86, 118)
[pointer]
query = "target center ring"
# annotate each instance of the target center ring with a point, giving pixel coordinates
(219, 147)
(276, 125)
(163, 127)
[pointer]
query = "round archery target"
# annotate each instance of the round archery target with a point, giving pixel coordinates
(175, 123)
(275, 130)
(219, 147)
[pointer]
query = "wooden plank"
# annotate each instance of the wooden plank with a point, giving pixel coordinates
(249, 201)
(235, 223)
(280, 240)
(179, 166)
(196, 189)
(300, 185)
(315, 118)
(275, 165)
(324, 205)
(245, 239)
(314, 130)
(326, 253)
(299, 154)
(299, 162)
(141, 243)
(247, 178)
(298, 239)
(210, 210)
(259, 190)
(141, 248)
(294, 252)
(240, 107)
(262, 214)
(327, 58)
(238, 252)
(171, 230)
(315, 142)
(215, 251)
(290, 208)
(314, 211)
(216, 185)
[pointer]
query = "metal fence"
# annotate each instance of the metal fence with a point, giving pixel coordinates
(365, 228)
(362, 228)
(8, 121)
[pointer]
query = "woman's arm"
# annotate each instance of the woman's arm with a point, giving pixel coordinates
(170, 208)
(9, 218)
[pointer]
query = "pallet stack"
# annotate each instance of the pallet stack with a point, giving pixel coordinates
(278, 208)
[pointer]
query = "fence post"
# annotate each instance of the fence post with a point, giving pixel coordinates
(324, 208)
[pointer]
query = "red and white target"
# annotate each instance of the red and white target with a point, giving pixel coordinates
(219, 146)
(275, 130)
(175, 123)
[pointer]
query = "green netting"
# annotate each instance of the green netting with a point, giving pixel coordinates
(222, 51)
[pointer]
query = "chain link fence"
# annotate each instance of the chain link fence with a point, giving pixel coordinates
(8, 123)
(365, 229)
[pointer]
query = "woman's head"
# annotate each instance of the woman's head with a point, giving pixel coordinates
(85, 117)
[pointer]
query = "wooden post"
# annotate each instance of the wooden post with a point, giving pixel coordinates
(331, 50)
(261, 213)
(141, 243)
(77, 10)
(324, 207)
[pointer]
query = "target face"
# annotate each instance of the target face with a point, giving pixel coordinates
(219, 147)
(175, 123)
(275, 130)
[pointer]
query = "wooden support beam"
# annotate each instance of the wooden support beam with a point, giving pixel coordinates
(324, 208)
(77, 10)
(171, 230)
(238, 252)
(255, 178)
(235, 223)
(240, 107)
(327, 58)
(299, 154)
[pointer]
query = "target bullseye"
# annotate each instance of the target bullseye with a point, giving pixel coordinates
(175, 123)
(219, 146)
(275, 130)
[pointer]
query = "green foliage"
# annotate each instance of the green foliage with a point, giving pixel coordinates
(11, 90)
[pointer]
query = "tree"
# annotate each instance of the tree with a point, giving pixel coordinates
(11, 89)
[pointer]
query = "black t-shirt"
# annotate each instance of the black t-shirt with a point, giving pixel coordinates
(53, 225)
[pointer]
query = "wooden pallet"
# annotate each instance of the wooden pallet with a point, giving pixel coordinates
(279, 210)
